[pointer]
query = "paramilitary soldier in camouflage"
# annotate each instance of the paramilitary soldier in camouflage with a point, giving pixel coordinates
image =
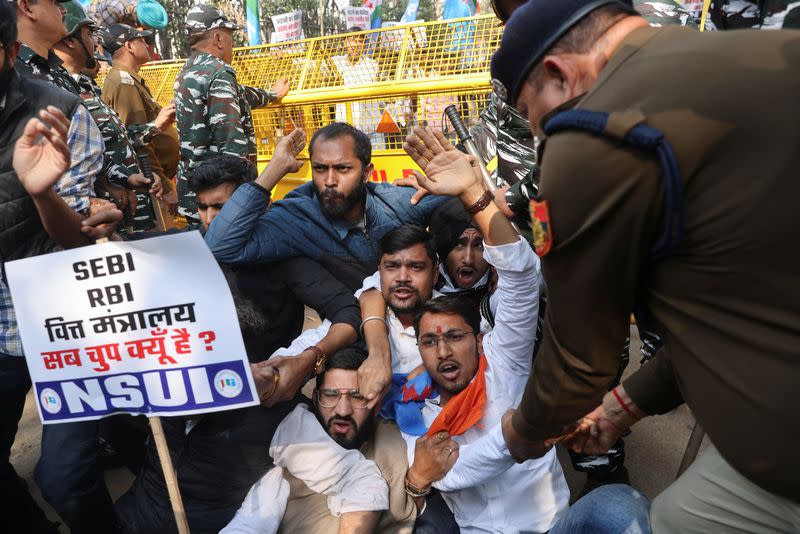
(120, 164)
(36, 59)
(213, 110)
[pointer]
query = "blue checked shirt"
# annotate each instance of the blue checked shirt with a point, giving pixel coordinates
(75, 187)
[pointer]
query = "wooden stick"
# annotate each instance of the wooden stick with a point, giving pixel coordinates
(161, 224)
(169, 475)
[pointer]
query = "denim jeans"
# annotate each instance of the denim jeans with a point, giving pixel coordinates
(611, 509)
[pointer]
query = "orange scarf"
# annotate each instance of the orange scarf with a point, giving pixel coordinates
(465, 409)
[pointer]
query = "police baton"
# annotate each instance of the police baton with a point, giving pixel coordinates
(469, 144)
(472, 150)
(147, 171)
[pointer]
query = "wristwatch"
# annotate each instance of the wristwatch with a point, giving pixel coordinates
(319, 363)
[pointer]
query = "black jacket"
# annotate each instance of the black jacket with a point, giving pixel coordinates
(21, 231)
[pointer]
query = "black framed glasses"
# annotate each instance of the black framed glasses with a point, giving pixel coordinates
(453, 337)
(329, 398)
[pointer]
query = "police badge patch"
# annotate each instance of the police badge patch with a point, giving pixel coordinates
(540, 224)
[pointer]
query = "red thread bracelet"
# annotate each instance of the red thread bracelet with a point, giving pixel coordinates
(624, 406)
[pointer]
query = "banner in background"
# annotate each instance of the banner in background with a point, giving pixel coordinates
(253, 23)
(410, 14)
(357, 17)
(456, 9)
(375, 8)
(288, 27)
(105, 331)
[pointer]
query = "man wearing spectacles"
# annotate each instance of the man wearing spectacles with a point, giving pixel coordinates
(301, 496)
(478, 378)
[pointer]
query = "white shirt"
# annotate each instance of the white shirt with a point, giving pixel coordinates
(365, 115)
(486, 490)
(302, 447)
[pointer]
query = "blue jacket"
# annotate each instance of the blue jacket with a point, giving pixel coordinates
(249, 230)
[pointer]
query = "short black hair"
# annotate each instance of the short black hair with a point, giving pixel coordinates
(407, 236)
(8, 24)
(339, 129)
(453, 304)
(224, 168)
(349, 359)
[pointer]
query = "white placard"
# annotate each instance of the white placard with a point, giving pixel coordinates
(357, 16)
(142, 327)
(288, 27)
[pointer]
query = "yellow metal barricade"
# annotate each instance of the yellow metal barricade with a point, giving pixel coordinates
(382, 81)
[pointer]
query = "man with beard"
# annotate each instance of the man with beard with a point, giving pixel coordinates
(405, 278)
(292, 497)
(338, 218)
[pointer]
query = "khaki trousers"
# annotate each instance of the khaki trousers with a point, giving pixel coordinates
(712, 497)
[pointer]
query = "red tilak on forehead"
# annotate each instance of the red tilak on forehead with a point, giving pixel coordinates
(438, 329)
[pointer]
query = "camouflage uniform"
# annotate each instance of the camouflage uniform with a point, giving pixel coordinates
(665, 13)
(213, 110)
(743, 14)
(31, 64)
(120, 154)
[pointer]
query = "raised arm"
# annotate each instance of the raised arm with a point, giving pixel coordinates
(243, 231)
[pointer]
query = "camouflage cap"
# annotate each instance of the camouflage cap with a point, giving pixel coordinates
(203, 17)
(75, 17)
(117, 35)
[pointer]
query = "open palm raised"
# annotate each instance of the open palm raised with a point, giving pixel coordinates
(41, 154)
(447, 170)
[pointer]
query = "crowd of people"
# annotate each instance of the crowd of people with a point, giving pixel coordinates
(455, 351)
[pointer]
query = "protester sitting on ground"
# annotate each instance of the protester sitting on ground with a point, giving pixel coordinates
(407, 274)
(338, 219)
(475, 378)
(287, 504)
(270, 302)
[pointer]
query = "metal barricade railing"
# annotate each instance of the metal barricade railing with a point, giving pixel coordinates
(382, 81)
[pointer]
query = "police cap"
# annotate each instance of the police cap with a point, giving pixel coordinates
(118, 34)
(531, 31)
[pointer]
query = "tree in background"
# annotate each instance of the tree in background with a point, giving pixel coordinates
(172, 39)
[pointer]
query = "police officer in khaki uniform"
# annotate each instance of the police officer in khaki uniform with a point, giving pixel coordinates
(126, 91)
(667, 190)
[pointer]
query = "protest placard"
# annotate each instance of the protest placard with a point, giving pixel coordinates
(288, 27)
(106, 330)
(357, 17)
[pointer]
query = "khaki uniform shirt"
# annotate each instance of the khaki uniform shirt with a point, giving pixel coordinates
(307, 511)
(728, 300)
(128, 94)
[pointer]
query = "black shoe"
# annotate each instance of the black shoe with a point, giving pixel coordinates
(594, 480)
